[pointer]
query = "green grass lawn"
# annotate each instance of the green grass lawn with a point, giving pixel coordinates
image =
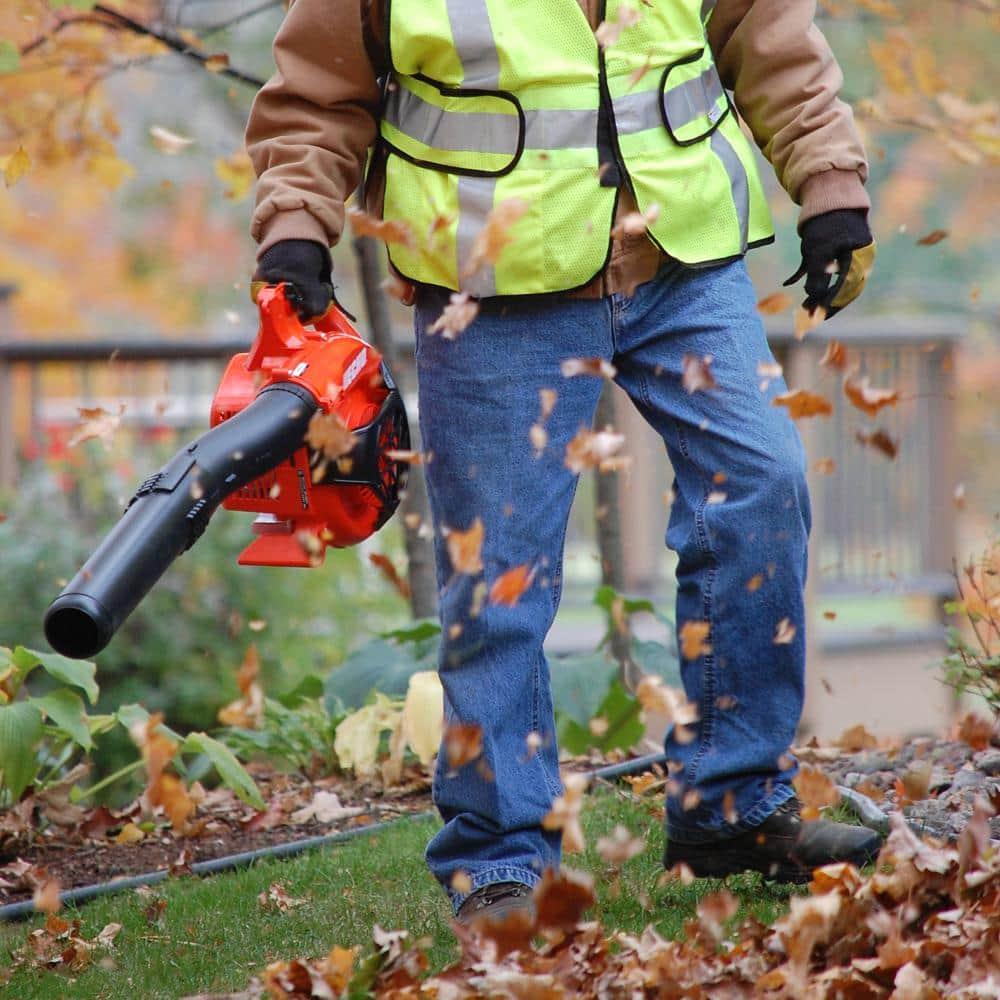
(213, 935)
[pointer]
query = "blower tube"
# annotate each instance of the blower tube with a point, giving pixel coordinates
(170, 511)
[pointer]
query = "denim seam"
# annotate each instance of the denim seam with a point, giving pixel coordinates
(709, 679)
(492, 875)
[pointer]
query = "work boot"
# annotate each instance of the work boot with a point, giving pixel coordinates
(784, 848)
(496, 901)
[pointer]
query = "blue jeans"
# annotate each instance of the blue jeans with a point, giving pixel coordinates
(479, 396)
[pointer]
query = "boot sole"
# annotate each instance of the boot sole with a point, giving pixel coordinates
(713, 866)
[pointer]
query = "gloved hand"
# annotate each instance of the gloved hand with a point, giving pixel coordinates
(838, 253)
(306, 267)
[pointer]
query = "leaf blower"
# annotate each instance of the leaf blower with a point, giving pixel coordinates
(276, 412)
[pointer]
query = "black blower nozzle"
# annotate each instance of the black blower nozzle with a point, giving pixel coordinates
(169, 512)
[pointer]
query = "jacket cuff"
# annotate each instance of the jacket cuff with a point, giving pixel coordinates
(296, 224)
(832, 190)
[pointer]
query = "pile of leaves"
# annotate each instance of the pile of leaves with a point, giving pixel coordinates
(925, 924)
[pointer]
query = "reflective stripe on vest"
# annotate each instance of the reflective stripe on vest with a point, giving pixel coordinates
(478, 117)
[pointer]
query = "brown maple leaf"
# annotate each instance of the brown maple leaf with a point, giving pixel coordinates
(801, 403)
(865, 397)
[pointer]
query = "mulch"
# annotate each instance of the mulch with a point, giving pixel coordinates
(90, 852)
(933, 782)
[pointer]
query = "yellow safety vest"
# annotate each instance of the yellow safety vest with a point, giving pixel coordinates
(492, 100)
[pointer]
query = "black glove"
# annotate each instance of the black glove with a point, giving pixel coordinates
(306, 267)
(838, 252)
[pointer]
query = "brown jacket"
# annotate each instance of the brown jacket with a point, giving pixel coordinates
(313, 122)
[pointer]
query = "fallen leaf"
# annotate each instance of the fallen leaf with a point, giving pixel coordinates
(326, 808)
(276, 898)
(856, 738)
(815, 791)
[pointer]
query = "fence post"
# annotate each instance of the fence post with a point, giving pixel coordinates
(8, 441)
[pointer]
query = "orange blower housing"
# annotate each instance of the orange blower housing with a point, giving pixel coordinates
(306, 502)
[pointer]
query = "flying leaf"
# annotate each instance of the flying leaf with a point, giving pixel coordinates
(462, 744)
(363, 224)
(815, 791)
(595, 449)
(636, 223)
(456, 316)
(866, 398)
(237, 173)
(508, 587)
(98, 424)
(880, 441)
(246, 711)
(385, 565)
(694, 639)
(933, 237)
(465, 548)
(835, 356)
(16, 166)
(608, 33)
(620, 847)
(495, 235)
(806, 320)
(801, 403)
(784, 633)
(775, 303)
(565, 813)
(217, 62)
(168, 142)
(587, 366)
(696, 373)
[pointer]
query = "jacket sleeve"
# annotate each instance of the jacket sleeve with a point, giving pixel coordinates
(312, 123)
(785, 83)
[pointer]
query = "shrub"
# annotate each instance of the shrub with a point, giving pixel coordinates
(973, 665)
(178, 651)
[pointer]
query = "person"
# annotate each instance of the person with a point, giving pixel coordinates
(577, 170)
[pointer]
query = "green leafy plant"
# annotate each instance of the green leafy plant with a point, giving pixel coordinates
(296, 732)
(43, 736)
(178, 651)
(973, 665)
